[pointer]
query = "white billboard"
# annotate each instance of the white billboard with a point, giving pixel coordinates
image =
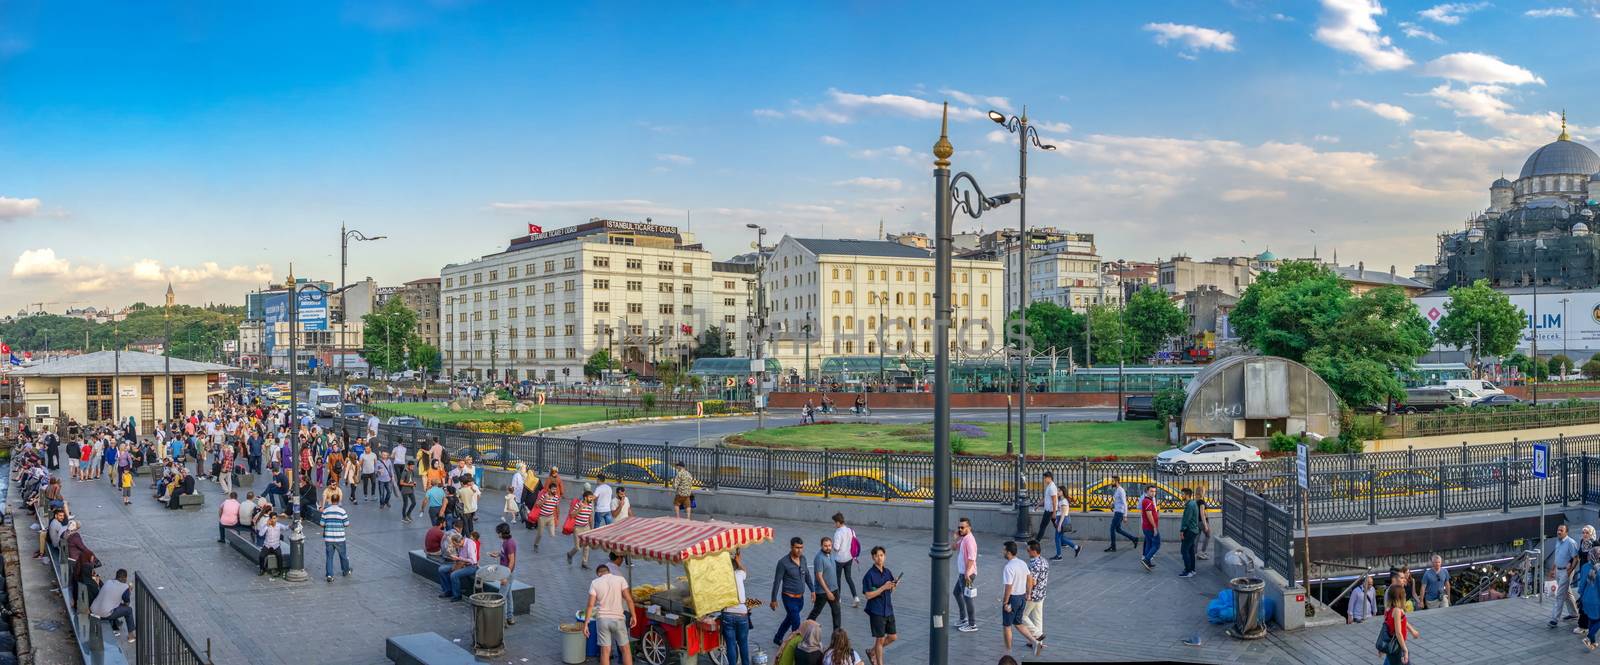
(1574, 323)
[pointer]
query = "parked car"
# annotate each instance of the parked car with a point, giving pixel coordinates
(403, 421)
(350, 411)
(1433, 398)
(1100, 494)
(647, 470)
(1209, 455)
(1501, 399)
(867, 483)
(1139, 407)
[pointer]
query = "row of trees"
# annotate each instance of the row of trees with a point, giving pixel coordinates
(391, 344)
(197, 332)
(1105, 334)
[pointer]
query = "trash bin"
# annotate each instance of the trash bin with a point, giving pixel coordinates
(488, 624)
(1247, 608)
(572, 644)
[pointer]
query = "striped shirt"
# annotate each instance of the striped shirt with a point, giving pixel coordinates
(334, 521)
(581, 513)
(547, 504)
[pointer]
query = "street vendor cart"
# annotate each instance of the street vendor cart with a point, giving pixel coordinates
(680, 616)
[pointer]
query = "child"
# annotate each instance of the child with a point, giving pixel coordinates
(127, 485)
(509, 512)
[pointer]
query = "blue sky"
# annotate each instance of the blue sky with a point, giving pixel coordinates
(213, 144)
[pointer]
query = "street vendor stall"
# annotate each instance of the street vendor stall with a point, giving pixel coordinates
(682, 614)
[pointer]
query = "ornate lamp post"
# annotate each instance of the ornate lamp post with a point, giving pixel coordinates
(946, 200)
(297, 538)
(345, 236)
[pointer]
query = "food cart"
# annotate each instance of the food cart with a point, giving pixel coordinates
(671, 621)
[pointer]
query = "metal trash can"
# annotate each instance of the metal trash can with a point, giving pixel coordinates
(573, 644)
(1247, 608)
(488, 624)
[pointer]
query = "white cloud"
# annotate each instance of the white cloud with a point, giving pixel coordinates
(1057, 127)
(874, 153)
(11, 208)
(905, 105)
(1282, 17)
(959, 96)
(680, 160)
(820, 113)
(767, 113)
(39, 262)
(1450, 13)
(1563, 12)
(1471, 67)
(149, 270)
(1485, 103)
(1415, 31)
(1325, 138)
(1382, 110)
(1351, 26)
(994, 102)
(832, 140)
(1238, 195)
(886, 184)
(1191, 37)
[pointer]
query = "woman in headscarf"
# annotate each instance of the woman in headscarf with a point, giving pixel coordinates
(804, 646)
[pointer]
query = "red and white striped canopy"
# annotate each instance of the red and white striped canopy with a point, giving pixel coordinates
(672, 539)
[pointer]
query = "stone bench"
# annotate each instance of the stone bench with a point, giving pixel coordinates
(244, 542)
(426, 649)
(522, 594)
(191, 502)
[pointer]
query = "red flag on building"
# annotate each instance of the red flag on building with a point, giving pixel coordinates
(535, 228)
(5, 349)
(687, 329)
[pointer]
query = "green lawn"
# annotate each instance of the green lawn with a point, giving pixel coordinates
(1068, 439)
(554, 414)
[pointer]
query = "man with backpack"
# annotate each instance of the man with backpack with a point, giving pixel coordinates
(845, 551)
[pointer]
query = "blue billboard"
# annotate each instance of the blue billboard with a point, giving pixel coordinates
(313, 310)
(274, 310)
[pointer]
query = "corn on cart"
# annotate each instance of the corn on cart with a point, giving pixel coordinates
(681, 615)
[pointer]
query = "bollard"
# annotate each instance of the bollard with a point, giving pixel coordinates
(1440, 480)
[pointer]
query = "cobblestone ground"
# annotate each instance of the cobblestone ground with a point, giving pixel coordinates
(1102, 606)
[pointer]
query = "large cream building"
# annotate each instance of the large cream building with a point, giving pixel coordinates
(847, 289)
(538, 309)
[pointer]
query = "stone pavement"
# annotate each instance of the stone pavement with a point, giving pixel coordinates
(1102, 606)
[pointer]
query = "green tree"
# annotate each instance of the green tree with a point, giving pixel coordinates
(1050, 326)
(1591, 369)
(1152, 319)
(387, 333)
(426, 357)
(1560, 365)
(1482, 319)
(671, 375)
(712, 343)
(1289, 311)
(598, 362)
(1106, 334)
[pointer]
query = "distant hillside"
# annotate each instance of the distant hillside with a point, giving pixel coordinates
(197, 332)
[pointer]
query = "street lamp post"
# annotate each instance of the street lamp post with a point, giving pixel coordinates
(946, 201)
(1567, 360)
(166, 349)
(761, 325)
(883, 336)
(345, 236)
(1026, 134)
(297, 556)
(808, 352)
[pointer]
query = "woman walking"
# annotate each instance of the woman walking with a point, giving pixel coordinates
(1589, 595)
(1399, 628)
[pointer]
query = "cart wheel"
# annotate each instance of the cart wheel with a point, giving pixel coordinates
(719, 655)
(653, 646)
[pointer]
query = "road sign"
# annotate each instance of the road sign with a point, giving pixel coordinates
(1302, 464)
(700, 409)
(728, 382)
(1044, 422)
(750, 381)
(1541, 460)
(541, 399)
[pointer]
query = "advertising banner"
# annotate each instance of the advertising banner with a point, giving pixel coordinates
(275, 310)
(313, 310)
(1574, 323)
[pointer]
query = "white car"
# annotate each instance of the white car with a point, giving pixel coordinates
(1209, 455)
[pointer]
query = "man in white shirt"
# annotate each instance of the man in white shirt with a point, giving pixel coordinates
(1016, 582)
(1119, 512)
(844, 546)
(602, 501)
(610, 604)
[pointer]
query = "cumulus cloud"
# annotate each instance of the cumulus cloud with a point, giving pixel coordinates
(1238, 195)
(1192, 38)
(832, 140)
(1552, 12)
(887, 184)
(1415, 31)
(1352, 26)
(997, 103)
(1486, 104)
(680, 160)
(1450, 13)
(1469, 67)
(39, 262)
(11, 208)
(1381, 109)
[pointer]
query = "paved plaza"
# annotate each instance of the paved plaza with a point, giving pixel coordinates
(1102, 606)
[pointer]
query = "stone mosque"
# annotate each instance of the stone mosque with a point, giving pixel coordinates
(1540, 224)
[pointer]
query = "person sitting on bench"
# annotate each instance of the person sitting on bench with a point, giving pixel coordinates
(112, 602)
(271, 542)
(183, 486)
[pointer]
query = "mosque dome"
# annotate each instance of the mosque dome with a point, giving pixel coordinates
(1266, 257)
(1561, 156)
(1475, 235)
(1502, 183)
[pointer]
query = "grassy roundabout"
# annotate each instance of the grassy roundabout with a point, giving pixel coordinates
(554, 414)
(1065, 439)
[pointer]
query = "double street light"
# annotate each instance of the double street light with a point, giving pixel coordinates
(345, 236)
(1026, 134)
(947, 199)
(297, 556)
(758, 355)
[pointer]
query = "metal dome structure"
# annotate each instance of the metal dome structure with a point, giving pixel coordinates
(1251, 397)
(1562, 156)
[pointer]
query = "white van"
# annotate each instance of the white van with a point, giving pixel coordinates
(1478, 387)
(324, 400)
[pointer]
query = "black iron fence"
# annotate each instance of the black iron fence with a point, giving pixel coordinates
(162, 639)
(1258, 523)
(1482, 419)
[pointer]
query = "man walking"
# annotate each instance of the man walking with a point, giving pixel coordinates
(682, 485)
(966, 575)
(1189, 530)
(1033, 610)
(1119, 512)
(1562, 557)
(844, 556)
(1150, 521)
(826, 583)
(792, 581)
(603, 494)
(610, 604)
(1048, 516)
(1435, 585)
(334, 522)
(406, 480)
(878, 584)
(1015, 584)
(384, 475)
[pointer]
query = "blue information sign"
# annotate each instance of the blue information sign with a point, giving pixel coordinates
(1541, 460)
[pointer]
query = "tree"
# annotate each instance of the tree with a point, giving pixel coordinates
(1358, 344)
(1152, 319)
(1591, 369)
(1050, 326)
(670, 375)
(388, 332)
(598, 362)
(1560, 365)
(1482, 319)
(426, 357)
(1105, 336)
(713, 343)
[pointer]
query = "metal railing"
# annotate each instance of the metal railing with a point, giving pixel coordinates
(1495, 420)
(1256, 522)
(162, 638)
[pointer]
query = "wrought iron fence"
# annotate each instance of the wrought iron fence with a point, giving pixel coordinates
(1257, 522)
(1495, 420)
(162, 639)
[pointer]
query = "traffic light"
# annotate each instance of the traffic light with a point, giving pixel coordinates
(566, 371)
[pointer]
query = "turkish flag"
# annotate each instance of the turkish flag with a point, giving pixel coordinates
(687, 329)
(5, 349)
(535, 228)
